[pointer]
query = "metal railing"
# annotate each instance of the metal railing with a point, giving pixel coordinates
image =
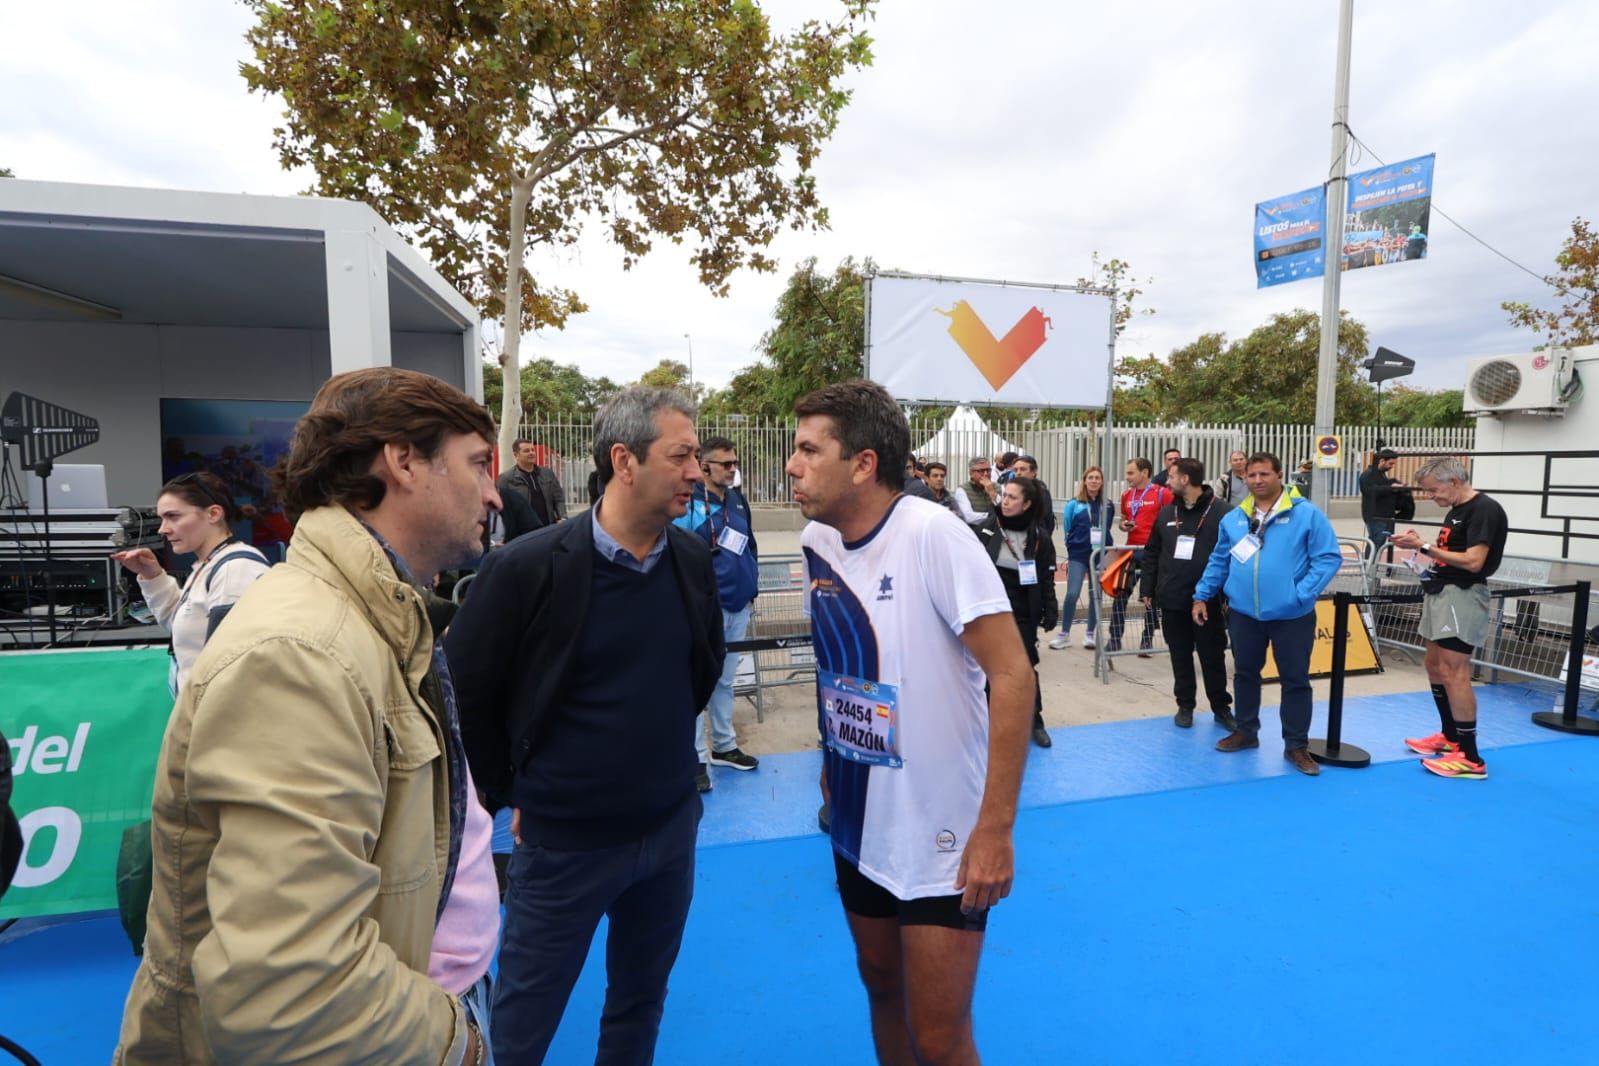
(776, 650)
(1063, 452)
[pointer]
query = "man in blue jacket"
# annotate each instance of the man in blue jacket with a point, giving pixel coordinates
(719, 515)
(1274, 555)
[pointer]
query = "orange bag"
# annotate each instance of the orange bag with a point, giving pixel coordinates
(1117, 578)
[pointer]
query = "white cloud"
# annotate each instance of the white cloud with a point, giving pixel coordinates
(1004, 141)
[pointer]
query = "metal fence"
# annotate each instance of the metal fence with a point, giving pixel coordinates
(1063, 452)
(1530, 635)
(777, 617)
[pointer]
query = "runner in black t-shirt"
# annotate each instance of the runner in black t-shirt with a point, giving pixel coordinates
(1455, 617)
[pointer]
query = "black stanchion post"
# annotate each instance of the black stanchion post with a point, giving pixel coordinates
(1332, 751)
(1566, 720)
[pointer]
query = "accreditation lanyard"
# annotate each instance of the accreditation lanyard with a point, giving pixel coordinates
(1186, 542)
(1026, 569)
(1258, 524)
(1134, 505)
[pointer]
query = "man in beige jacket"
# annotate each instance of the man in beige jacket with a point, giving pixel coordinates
(309, 796)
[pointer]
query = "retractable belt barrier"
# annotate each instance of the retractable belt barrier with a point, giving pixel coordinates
(1333, 752)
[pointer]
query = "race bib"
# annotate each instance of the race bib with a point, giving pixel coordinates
(1184, 549)
(862, 718)
(732, 540)
(1245, 549)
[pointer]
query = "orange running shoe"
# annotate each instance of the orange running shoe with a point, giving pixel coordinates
(1437, 744)
(1456, 766)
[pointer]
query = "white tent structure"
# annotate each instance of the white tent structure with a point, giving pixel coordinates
(963, 438)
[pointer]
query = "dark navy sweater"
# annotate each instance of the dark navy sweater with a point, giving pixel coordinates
(617, 756)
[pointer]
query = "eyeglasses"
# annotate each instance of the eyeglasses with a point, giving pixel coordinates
(725, 464)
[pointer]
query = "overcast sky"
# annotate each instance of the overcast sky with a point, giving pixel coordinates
(1005, 141)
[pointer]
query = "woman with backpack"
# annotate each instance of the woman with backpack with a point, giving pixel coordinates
(1017, 541)
(1087, 531)
(197, 515)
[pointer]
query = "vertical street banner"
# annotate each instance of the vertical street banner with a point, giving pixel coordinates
(948, 340)
(85, 729)
(1290, 238)
(1389, 214)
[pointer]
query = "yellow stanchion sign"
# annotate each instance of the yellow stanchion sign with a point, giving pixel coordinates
(1360, 657)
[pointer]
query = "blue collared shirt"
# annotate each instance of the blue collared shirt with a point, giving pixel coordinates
(612, 550)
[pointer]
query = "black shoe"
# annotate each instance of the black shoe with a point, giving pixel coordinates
(1184, 718)
(1113, 645)
(702, 780)
(821, 819)
(1225, 719)
(734, 759)
(1041, 736)
(1144, 649)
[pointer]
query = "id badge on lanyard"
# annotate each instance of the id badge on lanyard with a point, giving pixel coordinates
(862, 718)
(732, 540)
(1245, 549)
(1028, 571)
(1184, 548)
(1096, 537)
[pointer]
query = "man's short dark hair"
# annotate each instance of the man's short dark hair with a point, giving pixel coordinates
(865, 418)
(1143, 464)
(1387, 453)
(1265, 457)
(717, 444)
(1029, 460)
(937, 466)
(1169, 451)
(516, 445)
(1007, 458)
(352, 417)
(1192, 469)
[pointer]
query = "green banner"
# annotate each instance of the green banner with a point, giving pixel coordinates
(85, 729)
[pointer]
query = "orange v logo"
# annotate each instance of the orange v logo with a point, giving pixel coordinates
(996, 360)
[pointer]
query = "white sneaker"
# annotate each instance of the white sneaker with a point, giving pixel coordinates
(1088, 642)
(1062, 640)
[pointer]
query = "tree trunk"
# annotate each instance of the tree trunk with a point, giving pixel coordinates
(511, 336)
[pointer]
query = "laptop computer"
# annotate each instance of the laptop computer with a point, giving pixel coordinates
(73, 487)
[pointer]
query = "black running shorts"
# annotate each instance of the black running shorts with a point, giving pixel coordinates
(866, 898)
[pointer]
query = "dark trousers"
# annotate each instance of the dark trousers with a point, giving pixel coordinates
(1183, 638)
(555, 901)
(1291, 640)
(1019, 610)
(1118, 605)
(1379, 531)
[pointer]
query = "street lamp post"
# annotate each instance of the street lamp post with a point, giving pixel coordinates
(690, 365)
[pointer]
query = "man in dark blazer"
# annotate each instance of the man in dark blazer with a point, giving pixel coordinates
(580, 660)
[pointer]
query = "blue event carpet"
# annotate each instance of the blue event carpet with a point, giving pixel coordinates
(1172, 906)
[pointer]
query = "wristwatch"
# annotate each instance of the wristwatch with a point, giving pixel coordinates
(1426, 548)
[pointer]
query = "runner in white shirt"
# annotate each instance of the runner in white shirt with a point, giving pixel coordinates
(921, 770)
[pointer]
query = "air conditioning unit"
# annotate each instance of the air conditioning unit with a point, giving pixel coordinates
(1538, 381)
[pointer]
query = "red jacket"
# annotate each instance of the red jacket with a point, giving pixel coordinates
(1140, 507)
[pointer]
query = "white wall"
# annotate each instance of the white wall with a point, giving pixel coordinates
(1576, 430)
(119, 373)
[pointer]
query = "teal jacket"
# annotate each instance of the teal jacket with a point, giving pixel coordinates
(1298, 558)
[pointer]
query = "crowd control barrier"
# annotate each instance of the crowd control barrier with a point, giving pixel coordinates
(1331, 751)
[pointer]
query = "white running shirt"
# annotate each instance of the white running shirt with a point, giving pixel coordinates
(899, 698)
